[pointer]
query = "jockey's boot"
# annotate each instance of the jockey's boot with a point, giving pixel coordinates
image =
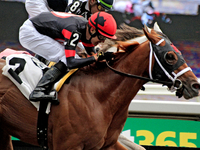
(43, 90)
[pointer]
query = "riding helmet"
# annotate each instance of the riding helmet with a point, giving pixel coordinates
(107, 4)
(104, 23)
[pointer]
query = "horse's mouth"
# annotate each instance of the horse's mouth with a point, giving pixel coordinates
(179, 92)
(188, 93)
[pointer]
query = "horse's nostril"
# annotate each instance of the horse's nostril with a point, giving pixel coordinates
(196, 86)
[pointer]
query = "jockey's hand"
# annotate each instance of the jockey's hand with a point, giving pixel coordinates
(107, 56)
(96, 57)
(82, 54)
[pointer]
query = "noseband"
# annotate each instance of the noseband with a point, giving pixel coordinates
(174, 84)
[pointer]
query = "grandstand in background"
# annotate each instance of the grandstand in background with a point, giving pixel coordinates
(184, 7)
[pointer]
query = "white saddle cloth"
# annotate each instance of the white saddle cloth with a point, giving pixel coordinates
(24, 71)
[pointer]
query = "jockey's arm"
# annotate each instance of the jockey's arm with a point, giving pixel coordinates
(72, 62)
(78, 63)
(70, 52)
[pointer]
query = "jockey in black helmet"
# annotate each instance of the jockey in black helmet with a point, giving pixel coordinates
(107, 4)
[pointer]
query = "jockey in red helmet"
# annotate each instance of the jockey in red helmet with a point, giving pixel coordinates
(104, 24)
(55, 35)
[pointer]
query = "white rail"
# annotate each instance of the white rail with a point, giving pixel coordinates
(165, 107)
(163, 102)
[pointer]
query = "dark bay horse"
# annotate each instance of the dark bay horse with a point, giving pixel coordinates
(94, 104)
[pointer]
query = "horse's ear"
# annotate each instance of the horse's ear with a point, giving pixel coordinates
(153, 36)
(156, 27)
(127, 45)
(147, 28)
(147, 32)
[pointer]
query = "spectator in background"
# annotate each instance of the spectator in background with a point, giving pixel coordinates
(125, 7)
(146, 10)
(141, 9)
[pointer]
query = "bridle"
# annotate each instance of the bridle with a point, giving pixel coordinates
(139, 77)
(173, 79)
(172, 84)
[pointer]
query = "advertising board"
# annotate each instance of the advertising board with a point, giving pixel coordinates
(163, 132)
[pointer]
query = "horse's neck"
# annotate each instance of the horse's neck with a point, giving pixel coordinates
(136, 63)
(118, 90)
(140, 40)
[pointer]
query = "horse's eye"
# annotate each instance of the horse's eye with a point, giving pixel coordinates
(171, 58)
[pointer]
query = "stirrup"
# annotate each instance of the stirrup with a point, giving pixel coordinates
(54, 101)
(36, 96)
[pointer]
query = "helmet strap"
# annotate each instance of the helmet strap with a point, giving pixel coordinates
(91, 35)
(96, 26)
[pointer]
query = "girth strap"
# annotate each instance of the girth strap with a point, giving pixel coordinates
(42, 125)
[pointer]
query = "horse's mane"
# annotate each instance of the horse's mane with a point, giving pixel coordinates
(124, 33)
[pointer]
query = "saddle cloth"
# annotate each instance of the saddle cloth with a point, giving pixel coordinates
(25, 71)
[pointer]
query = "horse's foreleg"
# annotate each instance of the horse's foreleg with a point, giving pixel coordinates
(129, 144)
(5, 141)
(116, 146)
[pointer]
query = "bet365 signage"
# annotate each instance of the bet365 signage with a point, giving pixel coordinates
(163, 132)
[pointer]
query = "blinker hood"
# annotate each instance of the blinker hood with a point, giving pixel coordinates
(160, 53)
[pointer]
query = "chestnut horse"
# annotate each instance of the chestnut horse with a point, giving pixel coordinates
(94, 104)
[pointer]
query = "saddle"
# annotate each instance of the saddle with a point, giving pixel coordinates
(25, 71)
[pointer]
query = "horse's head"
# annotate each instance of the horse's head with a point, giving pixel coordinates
(169, 62)
(166, 63)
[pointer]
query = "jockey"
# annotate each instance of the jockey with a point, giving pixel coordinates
(54, 36)
(79, 7)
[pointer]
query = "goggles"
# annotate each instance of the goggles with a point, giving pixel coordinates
(101, 37)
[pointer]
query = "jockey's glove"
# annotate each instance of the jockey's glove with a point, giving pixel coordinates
(106, 56)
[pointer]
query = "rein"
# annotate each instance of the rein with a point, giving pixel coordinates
(168, 83)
